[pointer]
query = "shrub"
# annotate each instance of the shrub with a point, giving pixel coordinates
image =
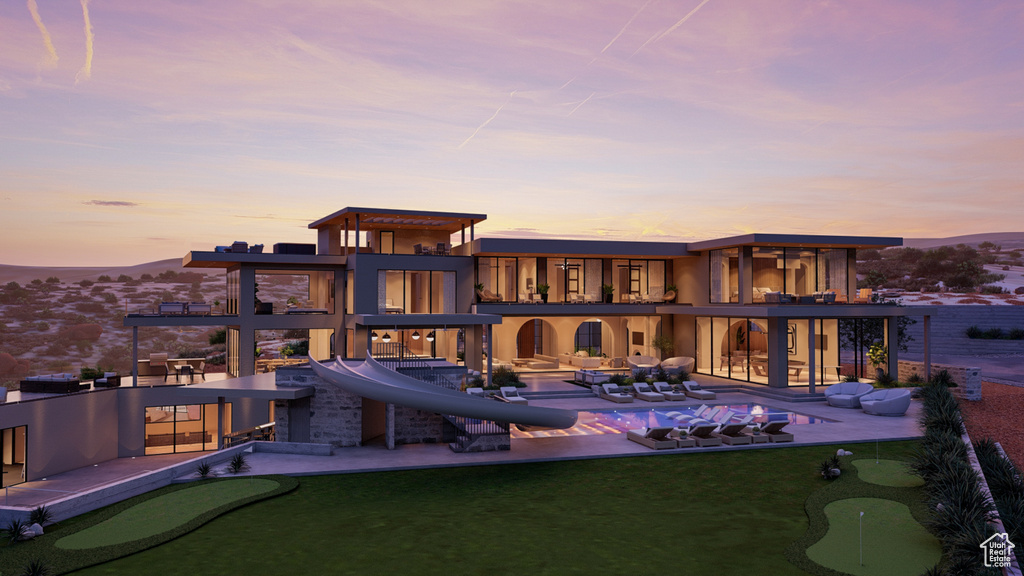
(993, 289)
(35, 568)
(218, 337)
(915, 378)
(40, 515)
(1016, 334)
(850, 378)
(505, 376)
(204, 470)
(103, 278)
(238, 464)
(12, 531)
(618, 379)
(1018, 290)
(124, 278)
(885, 380)
(85, 283)
(660, 375)
(994, 333)
(974, 332)
(942, 378)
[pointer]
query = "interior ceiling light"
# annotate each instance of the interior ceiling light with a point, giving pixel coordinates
(387, 337)
(430, 336)
(373, 336)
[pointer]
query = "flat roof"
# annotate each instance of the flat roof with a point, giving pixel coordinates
(196, 259)
(590, 248)
(797, 311)
(260, 386)
(388, 219)
(797, 241)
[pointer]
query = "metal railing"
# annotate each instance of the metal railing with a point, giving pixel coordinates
(263, 433)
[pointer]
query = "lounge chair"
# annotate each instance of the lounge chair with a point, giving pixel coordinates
(511, 394)
(666, 390)
(693, 390)
(644, 392)
(200, 370)
(719, 418)
(774, 431)
(702, 435)
(732, 433)
(475, 391)
(613, 393)
(847, 394)
(683, 418)
(890, 402)
(669, 296)
(487, 296)
(653, 438)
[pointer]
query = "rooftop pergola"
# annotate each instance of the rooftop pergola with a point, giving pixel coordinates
(384, 219)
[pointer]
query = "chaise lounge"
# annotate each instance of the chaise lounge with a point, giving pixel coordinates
(666, 390)
(847, 394)
(775, 433)
(653, 438)
(702, 435)
(511, 395)
(693, 390)
(644, 392)
(613, 393)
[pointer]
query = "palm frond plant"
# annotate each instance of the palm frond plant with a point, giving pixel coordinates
(14, 529)
(238, 464)
(40, 515)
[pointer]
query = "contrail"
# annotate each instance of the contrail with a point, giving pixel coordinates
(86, 70)
(670, 30)
(488, 121)
(34, 9)
(609, 44)
(585, 100)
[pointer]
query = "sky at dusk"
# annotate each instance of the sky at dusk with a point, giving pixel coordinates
(133, 131)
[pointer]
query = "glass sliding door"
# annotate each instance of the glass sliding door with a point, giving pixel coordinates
(13, 447)
(183, 428)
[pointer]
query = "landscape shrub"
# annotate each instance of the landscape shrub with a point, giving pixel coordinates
(992, 289)
(85, 283)
(505, 376)
(994, 333)
(1018, 290)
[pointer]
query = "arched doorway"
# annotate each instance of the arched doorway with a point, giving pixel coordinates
(535, 336)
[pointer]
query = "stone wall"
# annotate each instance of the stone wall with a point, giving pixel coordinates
(968, 380)
(949, 322)
(416, 426)
(336, 415)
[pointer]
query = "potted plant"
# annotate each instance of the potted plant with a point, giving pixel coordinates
(878, 355)
(757, 430)
(542, 289)
(663, 344)
(607, 290)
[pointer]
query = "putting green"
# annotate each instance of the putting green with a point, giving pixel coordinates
(893, 542)
(887, 473)
(163, 513)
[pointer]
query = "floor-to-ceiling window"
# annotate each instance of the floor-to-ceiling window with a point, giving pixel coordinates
(725, 275)
(798, 271)
(183, 428)
(13, 446)
(588, 337)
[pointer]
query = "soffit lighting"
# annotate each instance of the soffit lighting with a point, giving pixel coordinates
(373, 336)
(430, 336)
(386, 337)
(415, 335)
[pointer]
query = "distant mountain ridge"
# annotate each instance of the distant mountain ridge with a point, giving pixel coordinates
(1008, 240)
(66, 274)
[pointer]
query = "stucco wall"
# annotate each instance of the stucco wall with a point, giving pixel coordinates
(968, 379)
(949, 322)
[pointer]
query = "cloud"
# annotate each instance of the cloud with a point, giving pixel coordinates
(119, 203)
(86, 70)
(51, 61)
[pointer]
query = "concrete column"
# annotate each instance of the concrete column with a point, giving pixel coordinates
(389, 426)
(927, 348)
(892, 345)
(746, 275)
(463, 234)
(346, 237)
(490, 353)
(220, 422)
(134, 355)
(357, 234)
(328, 240)
(811, 355)
(778, 354)
(851, 274)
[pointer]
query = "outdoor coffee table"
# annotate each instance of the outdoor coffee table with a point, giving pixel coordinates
(183, 370)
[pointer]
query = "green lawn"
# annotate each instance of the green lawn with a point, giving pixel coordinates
(714, 513)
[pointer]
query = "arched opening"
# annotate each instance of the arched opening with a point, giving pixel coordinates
(536, 336)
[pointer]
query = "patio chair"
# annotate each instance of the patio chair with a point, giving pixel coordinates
(702, 435)
(613, 393)
(666, 390)
(678, 364)
(158, 364)
(442, 249)
(648, 363)
(511, 395)
(200, 370)
(669, 296)
(774, 431)
(644, 392)
(863, 296)
(847, 394)
(890, 402)
(653, 438)
(475, 391)
(417, 249)
(108, 380)
(693, 390)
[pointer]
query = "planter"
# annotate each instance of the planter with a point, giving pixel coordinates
(608, 298)
(544, 298)
(265, 308)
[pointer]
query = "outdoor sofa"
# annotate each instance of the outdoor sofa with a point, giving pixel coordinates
(886, 402)
(647, 363)
(677, 364)
(847, 394)
(64, 383)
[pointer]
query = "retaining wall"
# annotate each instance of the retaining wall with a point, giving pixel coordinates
(949, 322)
(968, 380)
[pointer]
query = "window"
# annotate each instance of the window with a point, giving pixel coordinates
(183, 428)
(13, 446)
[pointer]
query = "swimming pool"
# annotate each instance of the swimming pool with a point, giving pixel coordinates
(594, 422)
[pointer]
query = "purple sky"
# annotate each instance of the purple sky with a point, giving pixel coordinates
(161, 127)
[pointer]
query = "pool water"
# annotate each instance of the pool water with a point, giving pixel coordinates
(596, 422)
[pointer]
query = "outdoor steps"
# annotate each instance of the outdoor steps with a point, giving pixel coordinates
(772, 393)
(557, 394)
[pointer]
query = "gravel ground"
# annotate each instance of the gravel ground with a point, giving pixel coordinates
(998, 416)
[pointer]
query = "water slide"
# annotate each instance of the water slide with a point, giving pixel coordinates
(369, 379)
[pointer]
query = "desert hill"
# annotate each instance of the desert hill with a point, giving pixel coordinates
(25, 274)
(1008, 240)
